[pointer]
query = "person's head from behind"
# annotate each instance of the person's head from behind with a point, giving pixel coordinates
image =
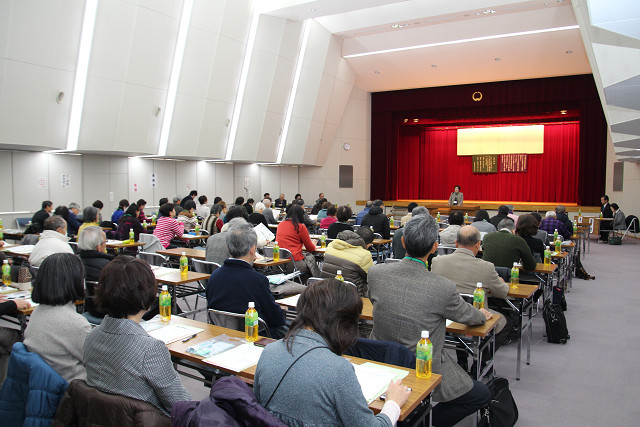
(369, 204)
(507, 224)
(537, 216)
(242, 241)
(420, 210)
(344, 213)
(132, 210)
(176, 199)
(420, 236)
(142, 203)
(190, 205)
(62, 211)
(217, 199)
(193, 194)
(550, 214)
(456, 218)
(560, 209)
(503, 210)
(332, 210)
(259, 207)
(331, 309)
(92, 239)
(615, 207)
(367, 235)
(60, 280)
(481, 215)
(321, 202)
(202, 200)
(163, 201)
(56, 223)
(298, 196)
(234, 212)
(378, 202)
(239, 200)
(299, 202)
(527, 225)
(75, 208)
(123, 204)
(604, 199)
(216, 210)
(296, 215)
(90, 214)
(469, 237)
(266, 196)
(266, 202)
(126, 287)
(98, 205)
(250, 201)
(47, 205)
(167, 210)
(411, 206)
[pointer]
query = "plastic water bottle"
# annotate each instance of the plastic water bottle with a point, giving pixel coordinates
(391, 221)
(6, 273)
(424, 356)
(132, 235)
(197, 229)
(144, 223)
(466, 217)
(478, 296)
(339, 276)
(165, 304)
(323, 240)
(547, 255)
(515, 276)
(580, 216)
(1, 224)
(555, 235)
(558, 245)
(184, 265)
(575, 227)
(438, 217)
(251, 323)
(276, 251)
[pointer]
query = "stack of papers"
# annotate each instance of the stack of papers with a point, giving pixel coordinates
(289, 301)
(168, 333)
(162, 271)
(374, 379)
(238, 358)
(23, 249)
(263, 233)
(215, 345)
(276, 279)
(114, 242)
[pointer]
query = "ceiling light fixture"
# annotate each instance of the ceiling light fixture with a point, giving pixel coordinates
(433, 65)
(488, 12)
(399, 25)
(496, 59)
(475, 39)
(376, 72)
(563, 112)
(569, 52)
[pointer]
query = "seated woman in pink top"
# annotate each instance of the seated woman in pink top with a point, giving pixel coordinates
(167, 227)
(330, 218)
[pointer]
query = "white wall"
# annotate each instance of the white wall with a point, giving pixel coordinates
(629, 198)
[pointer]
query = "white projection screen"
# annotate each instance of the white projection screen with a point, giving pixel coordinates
(501, 140)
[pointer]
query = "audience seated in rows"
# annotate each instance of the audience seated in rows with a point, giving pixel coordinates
(292, 234)
(53, 240)
(502, 248)
(232, 286)
(268, 212)
(363, 212)
(257, 217)
(527, 228)
(377, 219)
(324, 386)
(212, 224)
(350, 254)
(550, 224)
(56, 332)
(407, 287)
(481, 222)
(167, 227)
(119, 356)
(449, 234)
(38, 219)
(503, 212)
(330, 218)
(130, 221)
(343, 215)
(410, 207)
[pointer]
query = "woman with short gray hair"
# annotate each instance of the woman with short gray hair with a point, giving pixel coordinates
(90, 216)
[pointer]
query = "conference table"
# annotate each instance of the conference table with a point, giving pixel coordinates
(201, 254)
(419, 402)
(173, 279)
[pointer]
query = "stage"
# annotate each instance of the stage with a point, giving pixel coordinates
(489, 205)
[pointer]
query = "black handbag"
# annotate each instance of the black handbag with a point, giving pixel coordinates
(502, 411)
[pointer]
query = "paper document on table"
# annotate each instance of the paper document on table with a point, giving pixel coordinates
(290, 301)
(215, 345)
(162, 271)
(169, 333)
(374, 379)
(263, 233)
(238, 358)
(7, 245)
(276, 279)
(23, 249)
(114, 242)
(16, 294)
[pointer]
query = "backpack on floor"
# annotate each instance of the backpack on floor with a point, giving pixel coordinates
(555, 324)
(557, 297)
(502, 411)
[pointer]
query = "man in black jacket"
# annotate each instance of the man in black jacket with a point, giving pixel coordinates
(605, 226)
(561, 215)
(377, 219)
(503, 212)
(38, 219)
(92, 243)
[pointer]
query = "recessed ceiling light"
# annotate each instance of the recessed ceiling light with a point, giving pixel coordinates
(496, 59)
(396, 26)
(569, 52)
(563, 111)
(488, 12)
(433, 65)
(312, 10)
(376, 72)
(416, 120)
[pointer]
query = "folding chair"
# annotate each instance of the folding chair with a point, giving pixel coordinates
(206, 267)
(21, 223)
(153, 259)
(235, 321)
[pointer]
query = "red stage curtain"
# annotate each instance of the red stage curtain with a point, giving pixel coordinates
(428, 168)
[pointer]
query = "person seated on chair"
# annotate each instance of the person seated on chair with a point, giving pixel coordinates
(377, 219)
(406, 288)
(117, 214)
(502, 248)
(268, 212)
(142, 203)
(350, 254)
(240, 203)
(550, 224)
(177, 206)
(322, 213)
(527, 228)
(73, 223)
(192, 196)
(503, 212)
(63, 211)
(343, 215)
(280, 202)
(202, 210)
(541, 235)
(119, 355)
(56, 331)
(217, 249)
(92, 243)
(249, 205)
(257, 217)
(90, 216)
(465, 270)
(396, 245)
(410, 207)
(187, 216)
(449, 234)
(232, 286)
(330, 218)
(315, 210)
(322, 386)
(130, 221)
(363, 212)
(213, 223)
(619, 220)
(561, 215)
(481, 222)
(38, 218)
(53, 240)
(456, 198)
(167, 227)
(292, 234)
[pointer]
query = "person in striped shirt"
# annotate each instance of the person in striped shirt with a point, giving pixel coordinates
(167, 227)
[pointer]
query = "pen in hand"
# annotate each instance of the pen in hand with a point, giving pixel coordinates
(188, 338)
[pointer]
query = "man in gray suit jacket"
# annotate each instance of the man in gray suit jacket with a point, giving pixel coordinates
(408, 299)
